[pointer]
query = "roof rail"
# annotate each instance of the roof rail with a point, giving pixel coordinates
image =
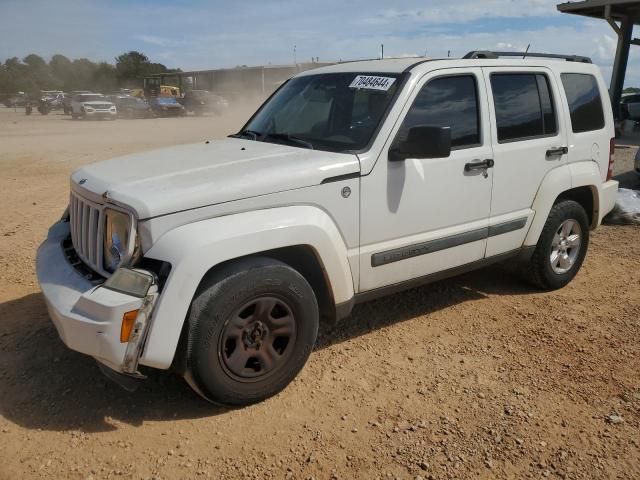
(493, 55)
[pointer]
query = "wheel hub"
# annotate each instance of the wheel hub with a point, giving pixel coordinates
(566, 246)
(254, 334)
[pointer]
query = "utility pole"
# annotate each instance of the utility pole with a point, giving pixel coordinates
(295, 55)
(381, 51)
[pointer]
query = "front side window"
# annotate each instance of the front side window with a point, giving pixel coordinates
(337, 112)
(585, 102)
(448, 102)
(523, 105)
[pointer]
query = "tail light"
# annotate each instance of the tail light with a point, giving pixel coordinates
(612, 158)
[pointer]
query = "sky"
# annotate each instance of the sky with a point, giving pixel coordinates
(201, 34)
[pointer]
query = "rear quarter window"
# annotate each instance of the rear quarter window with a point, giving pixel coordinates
(585, 102)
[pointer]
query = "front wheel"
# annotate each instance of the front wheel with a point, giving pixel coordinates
(252, 327)
(562, 246)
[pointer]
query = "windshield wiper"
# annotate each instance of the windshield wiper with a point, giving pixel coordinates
(290, 138)
(247, 133)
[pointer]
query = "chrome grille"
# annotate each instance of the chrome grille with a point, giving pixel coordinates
(85, 219)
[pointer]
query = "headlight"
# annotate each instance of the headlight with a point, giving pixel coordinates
(117, 237)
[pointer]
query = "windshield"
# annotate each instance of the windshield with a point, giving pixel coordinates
(92, 98)
(337, 111)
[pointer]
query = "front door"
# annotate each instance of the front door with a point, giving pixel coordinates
(422, 216)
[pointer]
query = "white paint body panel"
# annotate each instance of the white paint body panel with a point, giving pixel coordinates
(520, 166)
(417, 200)
(181, 178)
(214, 241)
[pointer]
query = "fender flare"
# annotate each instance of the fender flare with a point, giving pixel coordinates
(193, 249)
(554, 184)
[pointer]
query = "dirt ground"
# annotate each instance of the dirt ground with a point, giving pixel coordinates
(480, 376)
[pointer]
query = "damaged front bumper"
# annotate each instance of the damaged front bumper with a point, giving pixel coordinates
(88, 317)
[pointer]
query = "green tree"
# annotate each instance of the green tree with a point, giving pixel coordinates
(133, 66)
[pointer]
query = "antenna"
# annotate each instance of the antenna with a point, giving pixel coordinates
(448, 53)
(526, 51)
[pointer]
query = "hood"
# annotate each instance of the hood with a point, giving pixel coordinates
(191, 176)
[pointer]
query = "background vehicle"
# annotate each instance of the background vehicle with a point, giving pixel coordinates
(131, 107)
(630, 107)
(203, 101)
(17, 100)
(166, 107)
(92, 105)
(235, 249)
(68, 98)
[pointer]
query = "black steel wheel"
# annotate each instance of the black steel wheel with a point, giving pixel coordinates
(258, 339)
(252, 327)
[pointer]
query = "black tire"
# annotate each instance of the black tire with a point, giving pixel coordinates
(540, 270)
(228, 363)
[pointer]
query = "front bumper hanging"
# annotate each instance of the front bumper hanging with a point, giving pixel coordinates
(89, 318)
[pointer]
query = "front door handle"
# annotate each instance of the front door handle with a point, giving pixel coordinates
(479, 165)
(557, 152)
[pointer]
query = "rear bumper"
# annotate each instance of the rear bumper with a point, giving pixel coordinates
(608, 196)
(88, 318)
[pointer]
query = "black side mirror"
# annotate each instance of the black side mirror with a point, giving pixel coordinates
(422, 141)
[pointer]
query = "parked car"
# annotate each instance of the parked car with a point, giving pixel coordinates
(203, 101)
(132, 107)
(351, 182)
(92, 105)
(166, 107)
(68, 98)
(18, 100)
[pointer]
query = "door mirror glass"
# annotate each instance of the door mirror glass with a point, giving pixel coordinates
(422, 141)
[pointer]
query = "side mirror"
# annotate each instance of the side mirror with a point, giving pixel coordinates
(422, 141)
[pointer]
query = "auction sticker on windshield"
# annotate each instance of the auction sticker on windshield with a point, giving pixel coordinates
(372, 82)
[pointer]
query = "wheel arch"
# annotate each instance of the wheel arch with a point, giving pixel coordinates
(302, 237)
(580, 181)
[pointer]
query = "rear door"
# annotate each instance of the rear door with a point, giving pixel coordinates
(529, 140)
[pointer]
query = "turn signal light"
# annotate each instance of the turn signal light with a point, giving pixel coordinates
(128, 321)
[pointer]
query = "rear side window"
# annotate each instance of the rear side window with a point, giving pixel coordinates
(585, 103)
(448, 102)
(524, 106)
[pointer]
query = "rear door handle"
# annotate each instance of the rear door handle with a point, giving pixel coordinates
(557, 152)
(479, 165)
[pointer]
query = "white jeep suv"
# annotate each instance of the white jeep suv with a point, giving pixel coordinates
(92, 105)
(352, 181)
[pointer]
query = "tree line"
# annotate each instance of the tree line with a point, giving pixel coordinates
(33, 74)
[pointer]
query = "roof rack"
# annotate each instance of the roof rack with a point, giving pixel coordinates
(493, 55)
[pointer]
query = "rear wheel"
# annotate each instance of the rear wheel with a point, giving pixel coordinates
(251, 329)
(562, 246)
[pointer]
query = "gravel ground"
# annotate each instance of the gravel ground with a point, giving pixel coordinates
(479, 376)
